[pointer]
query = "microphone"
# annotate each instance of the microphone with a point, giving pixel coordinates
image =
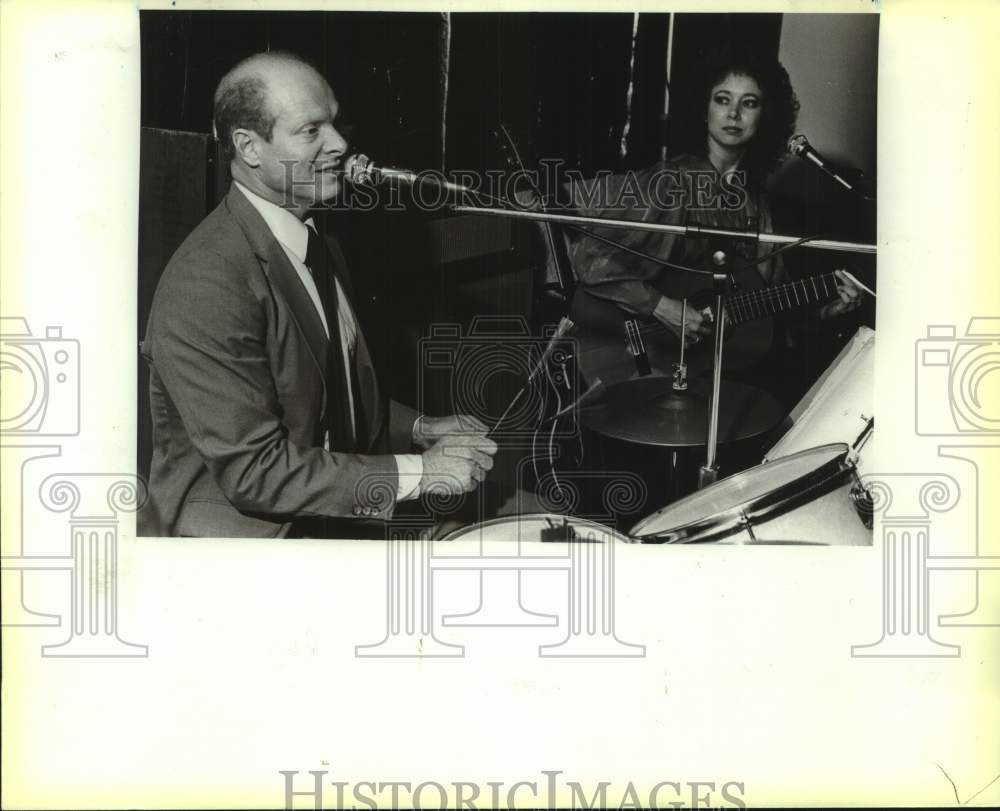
(799, 146)
(360, 170)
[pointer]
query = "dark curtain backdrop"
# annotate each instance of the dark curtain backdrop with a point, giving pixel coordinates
(558, 81)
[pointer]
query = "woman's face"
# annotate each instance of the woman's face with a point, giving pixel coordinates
(735, 107)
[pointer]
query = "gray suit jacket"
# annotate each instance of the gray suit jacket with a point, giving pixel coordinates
(237, 393)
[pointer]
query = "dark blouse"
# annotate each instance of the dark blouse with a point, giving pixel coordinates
(682, 191)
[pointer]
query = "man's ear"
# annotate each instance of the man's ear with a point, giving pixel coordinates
(245, 144)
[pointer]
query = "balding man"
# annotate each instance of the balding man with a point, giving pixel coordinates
(268, 419)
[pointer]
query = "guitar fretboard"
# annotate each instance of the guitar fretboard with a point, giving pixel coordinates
(763, 303)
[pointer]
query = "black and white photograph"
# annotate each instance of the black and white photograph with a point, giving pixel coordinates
(474, 405)
(489, 360)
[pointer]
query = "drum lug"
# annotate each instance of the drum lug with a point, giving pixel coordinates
(864, 503)
(745, 521)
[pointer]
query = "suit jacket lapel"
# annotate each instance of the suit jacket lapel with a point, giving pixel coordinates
(279, 269)
(281, 272)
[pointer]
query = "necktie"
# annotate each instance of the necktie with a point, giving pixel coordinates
(343, 435)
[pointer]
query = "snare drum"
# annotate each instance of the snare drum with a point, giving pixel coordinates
(537, 528)
(813, 496)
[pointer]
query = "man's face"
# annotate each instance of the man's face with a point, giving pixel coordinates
(301, 164)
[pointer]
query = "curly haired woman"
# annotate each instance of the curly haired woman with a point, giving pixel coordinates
(739, 138)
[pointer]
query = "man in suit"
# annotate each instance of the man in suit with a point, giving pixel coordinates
(267, 415)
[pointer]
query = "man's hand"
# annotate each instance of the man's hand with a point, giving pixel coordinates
(456, 464)
(697, 323)
(849, 297)
(428, 430)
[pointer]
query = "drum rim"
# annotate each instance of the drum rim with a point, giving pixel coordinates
(816, 483)
(618, 535)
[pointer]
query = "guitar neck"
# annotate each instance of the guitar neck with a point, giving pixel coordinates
(765, 302)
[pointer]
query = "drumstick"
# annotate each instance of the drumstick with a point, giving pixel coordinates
(499, 422)
(565, 325)
(592, 389)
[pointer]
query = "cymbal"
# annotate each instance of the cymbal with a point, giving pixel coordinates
(648, 411)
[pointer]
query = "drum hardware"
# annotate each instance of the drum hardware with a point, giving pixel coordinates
(864, 503)
(709, 472)
(680, 377)
(747, 525)
(813, 496)
(530, 528)
(861, 494)
(854, 455)
(680, 368)
(559, 533)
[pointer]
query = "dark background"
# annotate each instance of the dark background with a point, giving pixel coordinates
(558, 81)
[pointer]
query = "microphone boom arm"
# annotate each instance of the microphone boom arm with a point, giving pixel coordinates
(683, 230)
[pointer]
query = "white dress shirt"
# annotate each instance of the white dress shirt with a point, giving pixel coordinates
(293, 236)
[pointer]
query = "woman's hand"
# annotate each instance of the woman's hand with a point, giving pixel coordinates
(849, 297)
(697, 323)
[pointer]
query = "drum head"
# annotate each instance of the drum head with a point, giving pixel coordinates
(529, 528)
(737, 492)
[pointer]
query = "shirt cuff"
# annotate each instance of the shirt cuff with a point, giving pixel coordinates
(410, 467)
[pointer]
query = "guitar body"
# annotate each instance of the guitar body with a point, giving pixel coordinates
(603, 346)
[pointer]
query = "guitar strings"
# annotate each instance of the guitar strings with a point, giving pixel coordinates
(759, 299)
(736, 305)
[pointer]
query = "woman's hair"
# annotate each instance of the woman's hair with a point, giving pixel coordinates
(779, 110)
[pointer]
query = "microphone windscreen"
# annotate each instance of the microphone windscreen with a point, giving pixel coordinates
(797, 144)
(358, 169)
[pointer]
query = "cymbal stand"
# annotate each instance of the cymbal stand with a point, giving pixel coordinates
(680, 368)
(708, 473)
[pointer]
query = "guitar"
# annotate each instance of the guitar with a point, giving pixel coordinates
(614, 345)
